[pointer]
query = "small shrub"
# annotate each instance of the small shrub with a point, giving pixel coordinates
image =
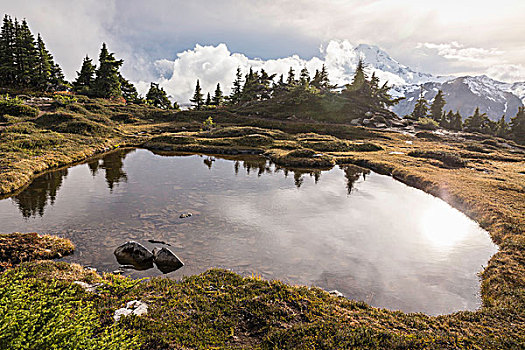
(427, 124)
(254, 140)
(208, 124)
(64, 100)
(448, 159)
(16, 108)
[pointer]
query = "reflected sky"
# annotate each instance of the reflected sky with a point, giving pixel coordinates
(364, 234)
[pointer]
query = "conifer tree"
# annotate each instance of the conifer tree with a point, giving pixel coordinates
(25, 54)
(360, 77)
(421, 107)
(517, 126)
(7, 44)
(157, 97)
(436, 109)
(290, 80)
(197, 99)
(304, 77)
(321, 80)
(237, 87)
(129, 92)
(44, 65)
(502, 128)
(446, 121)
(85, 82)
(217, 96)
(456, 122)
(477, 122)
(208, 100)
(107, 80)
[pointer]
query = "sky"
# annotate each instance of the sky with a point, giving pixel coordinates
(175, 42)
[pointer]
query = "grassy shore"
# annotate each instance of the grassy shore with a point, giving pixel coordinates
(484, 177)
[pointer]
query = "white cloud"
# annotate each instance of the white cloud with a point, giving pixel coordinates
(457, 51)
(507, 72)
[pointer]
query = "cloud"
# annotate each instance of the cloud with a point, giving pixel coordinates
(217, 64)
(457, 51)
(507, 72)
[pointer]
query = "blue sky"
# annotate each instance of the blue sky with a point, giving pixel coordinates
(439, 37)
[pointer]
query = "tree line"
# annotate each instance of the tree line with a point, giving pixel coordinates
(477, 122)
(25, 63)
(260, 86)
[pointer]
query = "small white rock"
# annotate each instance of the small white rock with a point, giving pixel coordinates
(336, 293)
(134, 307)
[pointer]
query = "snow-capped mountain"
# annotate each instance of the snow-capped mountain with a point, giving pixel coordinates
(388, 69)
(465, 93)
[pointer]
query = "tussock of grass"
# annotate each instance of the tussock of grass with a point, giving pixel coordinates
(301, 158)
(18, 247)
(448, 159)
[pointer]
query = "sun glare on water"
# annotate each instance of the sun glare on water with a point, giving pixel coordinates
(444, 227)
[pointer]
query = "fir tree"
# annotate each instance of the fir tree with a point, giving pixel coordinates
(7, 44)
(304, 77)
(290, 80)
(129, 92)
(217, 96)
(237, 88)
(208, 100)
(502, 128)
(477, 122)
(517, 126)
(360, 78)
(44, 65)
(25, 54)
(157, 97)
(456, 122)
(436, 109)
(321, 80)
(446, 121)
(197, 99)
(85, 81)
(421, 107)
(107, 81)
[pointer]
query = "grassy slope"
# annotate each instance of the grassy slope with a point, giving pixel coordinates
(221, 309)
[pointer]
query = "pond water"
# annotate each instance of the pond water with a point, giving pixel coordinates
(364, 234)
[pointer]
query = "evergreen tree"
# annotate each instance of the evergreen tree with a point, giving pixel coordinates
(477, 122)
(321, 80)
(421, 107)
(208, 100)
(237, 88)
(304, 77)
(129, 92)
(85, 82)
(157, 97)
(290, 80)
(44, 65)
(517, 126)
(436, 109)
(502, 128)
(360, 78)
(446, 121)
(107, 80)
(25, 54)
(217, 96)
(456, 122)
(7, 44)
(265, 85)
(197, 99)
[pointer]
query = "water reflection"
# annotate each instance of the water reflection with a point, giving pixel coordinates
(42, 191)
(375, 240)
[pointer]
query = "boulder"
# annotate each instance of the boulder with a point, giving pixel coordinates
(166, 260)
(135, 254)
(134, 307)
(185, 215)
(336, 293)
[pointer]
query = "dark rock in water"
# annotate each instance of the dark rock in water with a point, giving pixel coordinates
(135, 254)
(166, 261)
(185, 215)
(154, 241)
